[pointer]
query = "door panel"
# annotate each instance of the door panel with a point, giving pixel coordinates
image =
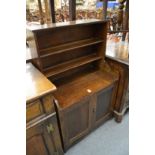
(36, 143)
(36, 146)
(42, 142)
(76, 122)
(103, 104)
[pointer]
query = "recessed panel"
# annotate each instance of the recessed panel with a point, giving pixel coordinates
(103, 103)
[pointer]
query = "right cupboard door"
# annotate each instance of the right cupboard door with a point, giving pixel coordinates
(103, 105)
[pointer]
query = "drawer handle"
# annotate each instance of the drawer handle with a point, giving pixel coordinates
(50, 128)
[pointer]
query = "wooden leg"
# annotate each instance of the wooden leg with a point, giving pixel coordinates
(119, 115)
(118, 118)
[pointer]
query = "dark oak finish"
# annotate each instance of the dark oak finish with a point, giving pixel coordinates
(42, 133)
(40, 107)
(41, 141)
(70, 64)
(37, 84)
(68, 91)
(83, 103)
(52, 39)
(75, 122)
(72, 56)
(69, 46)
(118, 61)
(103, 105)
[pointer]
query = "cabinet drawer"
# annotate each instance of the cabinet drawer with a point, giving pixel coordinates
(39, 107)
(33, 110)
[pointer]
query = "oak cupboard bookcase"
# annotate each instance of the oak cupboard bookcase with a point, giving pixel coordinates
(71, 55)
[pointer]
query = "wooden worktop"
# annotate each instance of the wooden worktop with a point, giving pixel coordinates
(36, 83)
(118, 51)
(75, 89)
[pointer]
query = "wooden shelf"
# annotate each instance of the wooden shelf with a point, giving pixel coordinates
(69, 46)
(54, 70)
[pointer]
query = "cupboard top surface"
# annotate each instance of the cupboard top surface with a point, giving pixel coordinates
(36, 83)
(37, 27)
(83, 86)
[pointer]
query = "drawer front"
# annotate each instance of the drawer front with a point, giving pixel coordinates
(34, 110)
(42, 106)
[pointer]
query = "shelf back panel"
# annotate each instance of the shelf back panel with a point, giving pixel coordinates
(62, 35)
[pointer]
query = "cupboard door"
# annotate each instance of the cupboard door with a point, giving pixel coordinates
(103, 105)
(44, 139)
(75, 122)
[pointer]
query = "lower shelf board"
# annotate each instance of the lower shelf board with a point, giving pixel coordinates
(70, 65)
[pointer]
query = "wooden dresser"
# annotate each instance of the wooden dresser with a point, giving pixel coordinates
(71, 55)
(117, 58)
(42, 133)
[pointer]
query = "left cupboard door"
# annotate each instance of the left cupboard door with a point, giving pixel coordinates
(43, 138)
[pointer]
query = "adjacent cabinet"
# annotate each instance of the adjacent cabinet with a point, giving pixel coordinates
(43, 138)
(42, 132)
(120, 65)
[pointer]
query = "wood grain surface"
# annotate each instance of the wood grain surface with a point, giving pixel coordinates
(36, 83)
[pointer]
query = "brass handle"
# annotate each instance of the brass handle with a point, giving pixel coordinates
(50, 128)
